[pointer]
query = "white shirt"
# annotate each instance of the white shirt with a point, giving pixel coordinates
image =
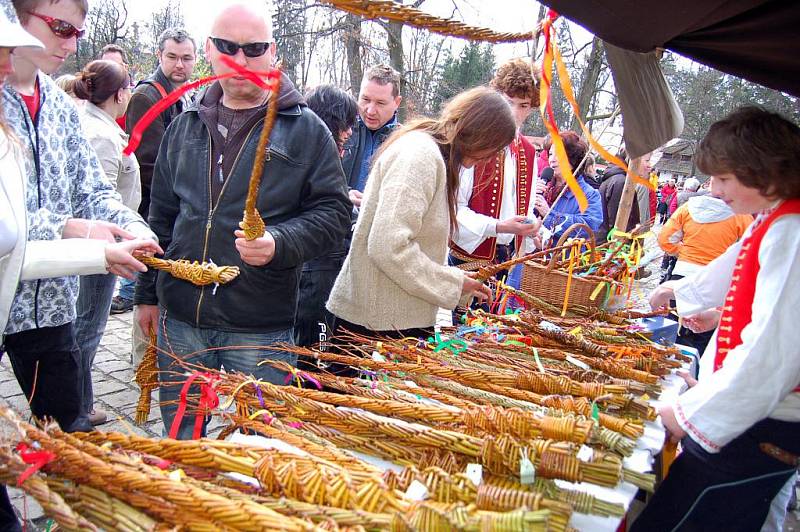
(473, 227)
(759, 375)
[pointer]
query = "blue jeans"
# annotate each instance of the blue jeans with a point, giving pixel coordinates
(93, 306)
(126, 289)
(179, 341)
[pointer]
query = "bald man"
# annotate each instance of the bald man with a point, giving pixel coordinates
(198, 193)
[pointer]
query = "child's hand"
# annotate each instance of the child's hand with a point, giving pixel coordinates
(702, 321)
(690, 381)
(674, 431)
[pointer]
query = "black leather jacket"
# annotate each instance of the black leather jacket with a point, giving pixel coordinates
(302, 199)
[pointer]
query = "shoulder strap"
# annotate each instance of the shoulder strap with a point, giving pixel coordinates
(158, 86)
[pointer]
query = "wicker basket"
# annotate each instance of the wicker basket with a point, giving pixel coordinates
(541, 280)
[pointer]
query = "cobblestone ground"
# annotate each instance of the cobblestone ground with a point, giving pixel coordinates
(117, 394)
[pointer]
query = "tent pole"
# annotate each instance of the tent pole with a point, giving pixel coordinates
(628, 195)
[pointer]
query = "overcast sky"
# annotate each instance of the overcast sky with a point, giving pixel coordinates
(499, 15)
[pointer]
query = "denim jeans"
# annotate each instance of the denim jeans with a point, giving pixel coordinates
(181, 342)
(93, 306)
(126, 289)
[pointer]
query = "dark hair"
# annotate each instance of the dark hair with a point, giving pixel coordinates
(383, 74)
(175, 34)
(335, 107)
(759, 147)
(518, 79)
(474, 122)
(575, 148)
(24, 7)
(100, 80)
(113, 49)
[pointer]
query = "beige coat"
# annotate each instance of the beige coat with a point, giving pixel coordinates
(108, 141)
(395, 276)
(37, 259)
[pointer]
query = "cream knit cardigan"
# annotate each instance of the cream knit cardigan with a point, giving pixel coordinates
(395, 276)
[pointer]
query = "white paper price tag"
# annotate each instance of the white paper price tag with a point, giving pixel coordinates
(417, 491)
(475, 473)
(377, 357)
(527, 473)
(585, 453)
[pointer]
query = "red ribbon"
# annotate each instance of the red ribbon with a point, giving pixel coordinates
(208, 401)
(168, 100)
(37, 460)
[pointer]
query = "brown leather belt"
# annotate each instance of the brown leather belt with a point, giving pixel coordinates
(779, 454)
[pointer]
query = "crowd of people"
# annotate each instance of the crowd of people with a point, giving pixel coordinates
(372, 226)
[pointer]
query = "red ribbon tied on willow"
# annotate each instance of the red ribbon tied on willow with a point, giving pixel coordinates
(208, 401)
(36, 459)
(265, 80)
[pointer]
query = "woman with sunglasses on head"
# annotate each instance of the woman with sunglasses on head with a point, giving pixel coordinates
(396, 277)
(23, 260)
(105, 88)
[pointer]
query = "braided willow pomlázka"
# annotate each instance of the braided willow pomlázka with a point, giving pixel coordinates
(194, 272)
(147, 379)
(252, 224)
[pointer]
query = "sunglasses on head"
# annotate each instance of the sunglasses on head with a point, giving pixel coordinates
(59, 27)
(250, 49)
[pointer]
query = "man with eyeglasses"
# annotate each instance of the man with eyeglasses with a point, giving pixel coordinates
(198, 195)
(67, 195)
(176, 59)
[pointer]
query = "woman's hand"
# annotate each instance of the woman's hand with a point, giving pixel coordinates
(674, 431)
(702, 321)
(95, 229)
(541, 205)
(475, 288)
(119, 256)
(661, 297)
(518, 225)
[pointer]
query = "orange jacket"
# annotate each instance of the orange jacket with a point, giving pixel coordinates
(702, 229)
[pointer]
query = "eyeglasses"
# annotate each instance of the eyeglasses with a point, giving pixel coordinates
(250, 49)
(59, 27)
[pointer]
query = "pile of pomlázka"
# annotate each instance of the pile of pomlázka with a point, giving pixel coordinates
(481, 420)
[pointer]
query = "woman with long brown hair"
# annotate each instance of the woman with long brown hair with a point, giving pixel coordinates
(395, 277)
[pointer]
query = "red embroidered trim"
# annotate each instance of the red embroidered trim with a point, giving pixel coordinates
(694, 430)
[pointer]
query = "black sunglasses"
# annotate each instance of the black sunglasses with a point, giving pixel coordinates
(250, 49)
(61, 28)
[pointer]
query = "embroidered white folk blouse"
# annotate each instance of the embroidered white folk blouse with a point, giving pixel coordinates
(759, 375)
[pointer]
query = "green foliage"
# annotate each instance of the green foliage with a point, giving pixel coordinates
(473, 67)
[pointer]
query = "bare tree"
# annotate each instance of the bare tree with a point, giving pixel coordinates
(106, 21)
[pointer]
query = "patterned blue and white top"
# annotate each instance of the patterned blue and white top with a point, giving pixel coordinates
(64, 180)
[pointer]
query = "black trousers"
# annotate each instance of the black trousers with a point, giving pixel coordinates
(46, 362)
(726, 491)
(314, 323)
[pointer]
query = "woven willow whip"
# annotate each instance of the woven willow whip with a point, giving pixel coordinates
(147, 379)
(252, 224)
(386, 9)
(200, 274)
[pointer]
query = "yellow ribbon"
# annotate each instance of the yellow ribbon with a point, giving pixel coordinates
(596, 291)
(569, 95)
